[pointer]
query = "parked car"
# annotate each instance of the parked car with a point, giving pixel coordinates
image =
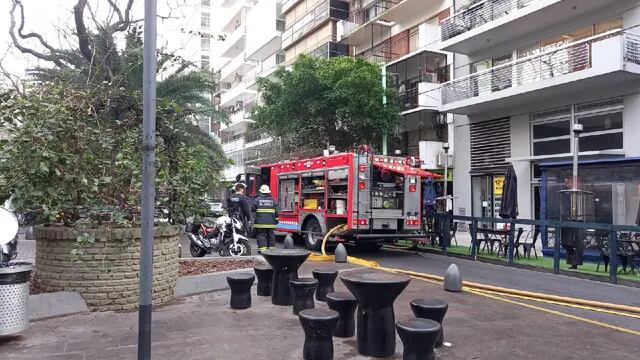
(215, 207)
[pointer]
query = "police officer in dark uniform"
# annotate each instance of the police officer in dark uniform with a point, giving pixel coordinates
(266, 219)
(238, 205)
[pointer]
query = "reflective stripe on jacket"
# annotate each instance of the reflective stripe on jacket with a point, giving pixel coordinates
(266, 212)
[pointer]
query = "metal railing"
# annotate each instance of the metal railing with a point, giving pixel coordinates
(384, 51)
(565, 59)
(314, 17)
(632, 48)
(320, 48)
(364, 15)
(614, 246)
(479, 14)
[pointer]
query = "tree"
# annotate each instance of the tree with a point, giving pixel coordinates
(75, 139)
(322, 101)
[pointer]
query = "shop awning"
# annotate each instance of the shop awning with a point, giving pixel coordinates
(406, 170)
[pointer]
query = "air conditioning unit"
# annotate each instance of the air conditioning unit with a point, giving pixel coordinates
(442, 158)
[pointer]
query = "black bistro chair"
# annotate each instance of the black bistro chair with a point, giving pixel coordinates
(528, 246)
(503, 246)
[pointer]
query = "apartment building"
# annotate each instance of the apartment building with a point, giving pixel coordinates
(187, 34)
(311, 26)
(403, 36)
(247, 45)
(524, 72)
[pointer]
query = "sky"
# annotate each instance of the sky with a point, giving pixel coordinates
(46, 16)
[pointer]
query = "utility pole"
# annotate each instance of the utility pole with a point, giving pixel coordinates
(148, 180)
(384, 102)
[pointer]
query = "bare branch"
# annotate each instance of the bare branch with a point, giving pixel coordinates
(26, 50)
(123, 23)
(81, 29)
(116, 9)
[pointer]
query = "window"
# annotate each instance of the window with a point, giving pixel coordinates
(601, 131)
(204, 61)
(205, 20)
(205, 43)
(602, 121)
(205, 2)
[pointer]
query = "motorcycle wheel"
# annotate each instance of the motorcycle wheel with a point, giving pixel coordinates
(196, 251)
(242, 248)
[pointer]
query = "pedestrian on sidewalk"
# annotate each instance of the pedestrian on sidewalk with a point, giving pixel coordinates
(265, 220)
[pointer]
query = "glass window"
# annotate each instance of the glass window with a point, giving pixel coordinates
(552, 129)
(205, 20)
(602, 122)
(205, 43)
(608, 141)
(551, 147)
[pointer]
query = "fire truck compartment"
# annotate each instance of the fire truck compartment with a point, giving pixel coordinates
(385, 224)
(387, 213)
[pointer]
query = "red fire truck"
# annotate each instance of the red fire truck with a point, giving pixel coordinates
(375, 197)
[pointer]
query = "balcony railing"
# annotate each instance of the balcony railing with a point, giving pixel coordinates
(388, 50)
(549, 64)
(364, 15)
(323, 48)
(411, 98)
(317, 15)
(632, 48)
(479, 14)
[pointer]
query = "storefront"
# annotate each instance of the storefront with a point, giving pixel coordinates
(615, 185)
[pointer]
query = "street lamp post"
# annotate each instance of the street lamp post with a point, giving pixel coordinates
(148, 179)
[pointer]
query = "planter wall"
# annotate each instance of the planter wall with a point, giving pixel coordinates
(106, 272)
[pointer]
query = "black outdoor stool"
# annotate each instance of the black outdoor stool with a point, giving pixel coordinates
(325, 278)
(318, 327)
(418, 338)
(302, 290)
(432, 309)
(345, 304)
(240, 285)
(264, 273)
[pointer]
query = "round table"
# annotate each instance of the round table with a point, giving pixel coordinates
(376, 291)
(285, 264)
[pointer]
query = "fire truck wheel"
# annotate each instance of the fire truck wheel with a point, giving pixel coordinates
(313, 235)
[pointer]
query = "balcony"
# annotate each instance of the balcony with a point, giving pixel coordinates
(233, 44)
(264, 30)
(418, 79)
(265, 69)
(496, 22)
(383, 13)
(239, 92)
(317, 16)
(393, 48)
(235, 69)
(604, 65)
(288, 4)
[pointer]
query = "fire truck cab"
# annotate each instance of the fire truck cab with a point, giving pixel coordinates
(374, 197)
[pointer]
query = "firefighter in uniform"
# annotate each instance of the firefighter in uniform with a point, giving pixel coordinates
(265, 220)
(238, 205)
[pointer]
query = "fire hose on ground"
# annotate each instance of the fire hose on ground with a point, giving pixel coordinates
(497, 293)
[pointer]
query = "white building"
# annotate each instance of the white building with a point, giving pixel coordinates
(248, 47)
(524, 72)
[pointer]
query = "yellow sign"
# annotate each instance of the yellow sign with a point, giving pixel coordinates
(498, 185)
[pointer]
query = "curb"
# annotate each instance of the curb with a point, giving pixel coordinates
(204, 283)
(591, 277)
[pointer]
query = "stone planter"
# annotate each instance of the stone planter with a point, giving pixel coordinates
(106, 272)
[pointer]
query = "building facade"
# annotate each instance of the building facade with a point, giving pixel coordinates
(524, 72)
(403, 36)
(247, 46)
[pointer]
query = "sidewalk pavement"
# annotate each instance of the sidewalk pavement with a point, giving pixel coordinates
(203, 327)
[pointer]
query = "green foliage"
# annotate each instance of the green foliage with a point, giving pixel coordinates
(320, 101)
(75, 142)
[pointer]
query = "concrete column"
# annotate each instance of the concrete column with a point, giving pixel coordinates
(521, 147)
